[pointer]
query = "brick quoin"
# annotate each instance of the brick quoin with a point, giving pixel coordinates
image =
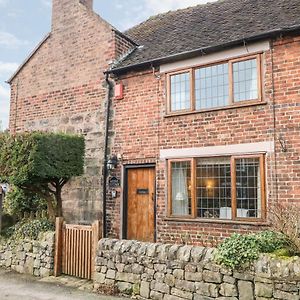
(142, 130)
(62, 88)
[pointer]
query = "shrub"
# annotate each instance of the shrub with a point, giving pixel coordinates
(41, 163)
(30, 229)
(239, 250)
(270, 241)
(18, 201)
(285, 218)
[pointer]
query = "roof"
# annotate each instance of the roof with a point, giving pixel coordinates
(209, 26)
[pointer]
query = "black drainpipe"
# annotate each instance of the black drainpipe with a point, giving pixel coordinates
(106, 135)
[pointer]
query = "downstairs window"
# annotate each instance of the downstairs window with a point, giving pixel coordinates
(229, 188)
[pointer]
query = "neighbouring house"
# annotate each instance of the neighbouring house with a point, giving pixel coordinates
(61, 87)
(201, 134)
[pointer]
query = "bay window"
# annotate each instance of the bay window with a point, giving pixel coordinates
(230, 83)
(228, 188)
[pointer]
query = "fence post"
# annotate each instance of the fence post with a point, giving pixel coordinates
(96, 230)
(58, 246)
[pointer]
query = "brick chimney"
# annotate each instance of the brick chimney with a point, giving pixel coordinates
(87, 3)
(63, 11)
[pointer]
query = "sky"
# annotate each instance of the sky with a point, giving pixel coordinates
(23, 24)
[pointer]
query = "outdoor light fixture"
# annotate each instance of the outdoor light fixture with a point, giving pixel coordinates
(112, 163)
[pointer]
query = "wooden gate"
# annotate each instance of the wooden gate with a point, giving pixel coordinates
(75, 249)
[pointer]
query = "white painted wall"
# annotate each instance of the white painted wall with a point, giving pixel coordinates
(226, 150)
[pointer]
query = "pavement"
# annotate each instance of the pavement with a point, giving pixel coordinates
(14, 286)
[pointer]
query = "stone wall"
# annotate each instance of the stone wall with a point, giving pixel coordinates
(173, 272)
(28, 256)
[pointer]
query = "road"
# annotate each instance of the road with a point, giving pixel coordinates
(15, 286)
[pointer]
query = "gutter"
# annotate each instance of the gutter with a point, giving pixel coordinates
(106, 135)
(204, 50)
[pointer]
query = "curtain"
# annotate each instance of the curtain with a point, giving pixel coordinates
(180, 198)
(258, 193)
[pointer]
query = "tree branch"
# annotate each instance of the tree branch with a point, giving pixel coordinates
(51, 191)
(53, 184)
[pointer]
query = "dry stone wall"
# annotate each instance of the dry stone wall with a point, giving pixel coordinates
(174, 272)
(28, 256)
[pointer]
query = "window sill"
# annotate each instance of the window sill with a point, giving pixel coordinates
(238, 105)
(257, 222)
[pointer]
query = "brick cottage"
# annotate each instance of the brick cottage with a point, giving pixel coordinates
(196, 113)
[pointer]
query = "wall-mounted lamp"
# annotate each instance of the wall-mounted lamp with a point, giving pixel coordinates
(112, 163)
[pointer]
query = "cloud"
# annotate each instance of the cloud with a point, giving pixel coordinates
(9, 41)
(4, 92)
(7, 69)
(141, 12)
(159, 6)
(3, 2)
(119, 6)
(47, 3)
(4, 105)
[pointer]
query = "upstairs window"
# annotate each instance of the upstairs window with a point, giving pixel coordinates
(229, 83)
(212, 86)
(245, 80)
(180, 91)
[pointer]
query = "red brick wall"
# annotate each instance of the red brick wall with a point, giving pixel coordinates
(141, 130)
(287, 103)
(62, 88)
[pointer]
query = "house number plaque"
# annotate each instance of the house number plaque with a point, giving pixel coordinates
(114, 182)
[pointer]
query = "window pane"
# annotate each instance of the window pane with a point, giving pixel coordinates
(180, 91)
(213, 188)
(181, 188)
(248, 188)
(245, 84)
(211, 86)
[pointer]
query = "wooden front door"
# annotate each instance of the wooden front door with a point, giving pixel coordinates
(140, 204)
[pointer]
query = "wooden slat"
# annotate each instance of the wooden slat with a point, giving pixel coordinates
(88, 255)
(63, 250)
(76, 244)
(72, 252)
(68, 252)
(80, 262)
